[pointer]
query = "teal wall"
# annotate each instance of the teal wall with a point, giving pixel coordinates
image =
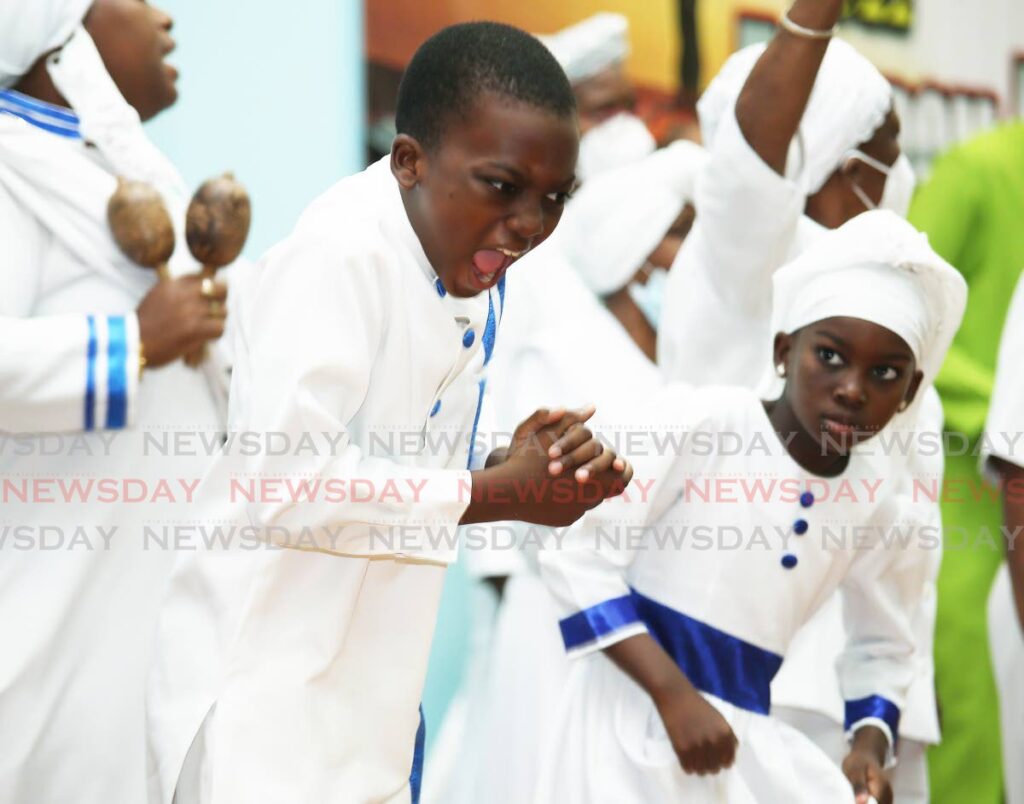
(274, 92)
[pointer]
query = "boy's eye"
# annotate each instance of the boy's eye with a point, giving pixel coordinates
(503, 187)
(887, 373)
(558, 198)
(829, 357)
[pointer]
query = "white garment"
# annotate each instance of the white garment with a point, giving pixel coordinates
(590, 46)
(30, 28)
(909, 779)
(718, 303)
(1006, 638)
(44, 365)
(848, 102)
(617, 218)
(1006, 643)
(77, 625)
(557, 344)
(315, 658)
(661, 563)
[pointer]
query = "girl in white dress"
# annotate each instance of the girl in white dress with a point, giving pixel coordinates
(694, 589)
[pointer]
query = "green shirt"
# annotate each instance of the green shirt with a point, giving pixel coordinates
(972, 208)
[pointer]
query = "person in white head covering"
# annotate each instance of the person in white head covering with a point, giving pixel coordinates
(1003, 462)
(78, 622)
(593, 54)
(687, 604)
(802, 137)
(625, 227)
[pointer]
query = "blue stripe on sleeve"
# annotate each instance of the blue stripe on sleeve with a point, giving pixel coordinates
(90, 376)
(591, 624)
(117, 373)
(874, 706)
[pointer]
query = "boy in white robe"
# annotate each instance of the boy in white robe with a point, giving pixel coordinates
(692, 629)
(490, 746)
(79, 593)
(1003, 460)
(295, 674)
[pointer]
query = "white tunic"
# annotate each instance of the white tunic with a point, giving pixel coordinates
(559, 346)
(715, 563)
(1006, 632)
(716, 329)
(305, 666)
(79, 590)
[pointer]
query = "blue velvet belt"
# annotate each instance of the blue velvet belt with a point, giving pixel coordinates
(715, 662)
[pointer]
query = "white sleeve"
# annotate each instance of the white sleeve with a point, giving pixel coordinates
(60, 373)
(492, 549)
(585, 569)
(880, 595)
(304, 358)
(68, 373)
(1004, 430)
(720, 286)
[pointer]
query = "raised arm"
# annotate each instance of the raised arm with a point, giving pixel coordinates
(775, 95)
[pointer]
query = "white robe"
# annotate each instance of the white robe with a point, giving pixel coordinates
(726, 614)
(559, 346)
(716, 329)
(77, 623)
(1003, 439)
(301, 669)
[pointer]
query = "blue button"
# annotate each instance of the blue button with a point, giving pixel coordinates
(436, 408)
(800, 527)
(468, 337)
(789, 561)
(807, 499)
(440, 288)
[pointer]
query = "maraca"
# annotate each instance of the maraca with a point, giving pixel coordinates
(141, 225)
(216, 227)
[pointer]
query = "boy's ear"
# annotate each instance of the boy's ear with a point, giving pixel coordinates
(408, 161)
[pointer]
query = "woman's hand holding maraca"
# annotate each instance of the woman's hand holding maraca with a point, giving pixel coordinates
(178, 316)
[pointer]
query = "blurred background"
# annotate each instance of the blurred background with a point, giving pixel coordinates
(302, 99)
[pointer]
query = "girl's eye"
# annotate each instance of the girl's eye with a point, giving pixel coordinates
(886, 373)
(830, 356)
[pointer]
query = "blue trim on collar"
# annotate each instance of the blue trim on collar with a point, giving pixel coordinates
(46, 116)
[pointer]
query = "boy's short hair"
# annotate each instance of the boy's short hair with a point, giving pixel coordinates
(457, 65)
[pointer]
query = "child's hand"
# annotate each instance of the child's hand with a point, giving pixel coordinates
(553, 440)
(701, 737)
(863, 767)
(552, 473)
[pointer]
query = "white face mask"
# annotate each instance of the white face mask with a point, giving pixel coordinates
(619, 140)
(899, 183)
(648, 297)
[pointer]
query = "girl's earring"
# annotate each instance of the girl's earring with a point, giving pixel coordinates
(903, 406)
(780, 369)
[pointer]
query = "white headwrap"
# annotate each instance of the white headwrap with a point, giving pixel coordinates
(591, 46)
(849, 102)
(618, 217)
(879, 268)
(28, 30)
(107, 120)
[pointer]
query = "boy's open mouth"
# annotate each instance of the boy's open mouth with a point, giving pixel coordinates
(489, 264)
